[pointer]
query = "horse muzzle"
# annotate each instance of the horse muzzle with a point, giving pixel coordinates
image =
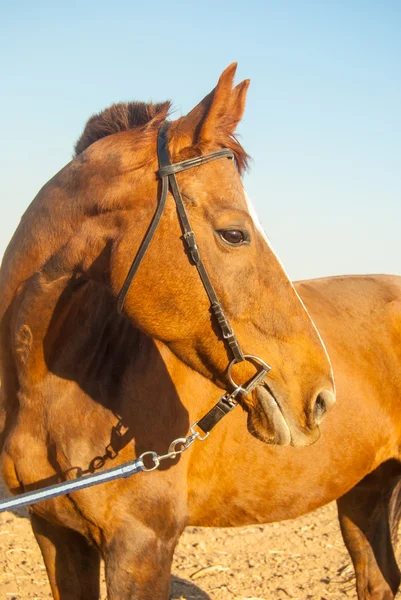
(269, 423)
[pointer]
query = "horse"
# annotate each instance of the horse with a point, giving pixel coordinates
(86, 385)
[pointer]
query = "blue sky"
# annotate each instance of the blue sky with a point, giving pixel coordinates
(322, 122)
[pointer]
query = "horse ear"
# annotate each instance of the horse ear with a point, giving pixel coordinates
(219, 112)
(238, 99)
(227, 106)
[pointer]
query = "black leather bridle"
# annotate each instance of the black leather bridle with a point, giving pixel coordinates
(167, 172)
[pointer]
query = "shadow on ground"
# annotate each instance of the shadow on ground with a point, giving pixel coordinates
(180, 588)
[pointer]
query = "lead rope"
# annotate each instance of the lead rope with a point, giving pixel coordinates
(227, 402)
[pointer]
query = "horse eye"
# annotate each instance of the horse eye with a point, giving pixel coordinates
(232, 236)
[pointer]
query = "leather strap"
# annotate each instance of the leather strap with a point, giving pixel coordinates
(216, 413)
(143, 247)
(168, 169)
(167, 173)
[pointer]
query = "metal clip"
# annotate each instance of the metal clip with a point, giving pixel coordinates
(172, 450)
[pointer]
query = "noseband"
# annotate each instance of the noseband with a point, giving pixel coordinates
(167, 172)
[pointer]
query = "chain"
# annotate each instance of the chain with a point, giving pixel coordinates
(179, 445)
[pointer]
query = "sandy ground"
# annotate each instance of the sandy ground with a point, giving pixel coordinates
(300, 559)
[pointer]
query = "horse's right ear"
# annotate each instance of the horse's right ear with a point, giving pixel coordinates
(217, 116)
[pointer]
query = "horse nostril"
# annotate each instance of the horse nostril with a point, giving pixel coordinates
(324, 401)
(319, 410)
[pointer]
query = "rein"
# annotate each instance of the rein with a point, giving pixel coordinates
(227, 401)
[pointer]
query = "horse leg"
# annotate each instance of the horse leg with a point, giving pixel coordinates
(138, 564)
(366, 525)
(72, 565)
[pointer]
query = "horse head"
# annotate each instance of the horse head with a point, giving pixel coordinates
(97, 211)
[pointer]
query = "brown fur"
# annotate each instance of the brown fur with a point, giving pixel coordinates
(85, 388)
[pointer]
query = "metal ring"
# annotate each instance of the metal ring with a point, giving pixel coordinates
(248, 357)
(196, 434)
(155, 459)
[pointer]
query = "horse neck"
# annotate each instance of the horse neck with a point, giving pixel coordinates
(69, 328)
(77, 210)
(30, 247)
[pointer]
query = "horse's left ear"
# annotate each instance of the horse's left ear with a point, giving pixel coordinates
(218, 114)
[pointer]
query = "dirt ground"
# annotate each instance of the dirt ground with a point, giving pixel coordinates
(300, 559)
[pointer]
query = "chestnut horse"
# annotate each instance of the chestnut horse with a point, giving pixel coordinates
(85, 388)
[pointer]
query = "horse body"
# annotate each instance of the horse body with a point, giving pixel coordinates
(230, 479)
(85, 388)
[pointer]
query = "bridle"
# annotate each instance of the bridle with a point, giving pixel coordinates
(227, 401)
(167, 173)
